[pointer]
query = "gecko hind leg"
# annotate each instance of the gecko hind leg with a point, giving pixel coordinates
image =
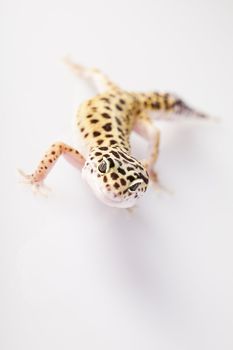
(100, 80)
(36, 180)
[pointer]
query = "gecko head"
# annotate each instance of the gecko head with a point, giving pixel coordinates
(116, 178)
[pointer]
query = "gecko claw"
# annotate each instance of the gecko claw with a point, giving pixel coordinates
(156, 183)
(78, 69)
(38, 187)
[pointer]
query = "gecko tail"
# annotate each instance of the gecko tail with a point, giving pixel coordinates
(183, 109)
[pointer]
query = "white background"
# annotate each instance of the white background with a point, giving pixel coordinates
(75, 274)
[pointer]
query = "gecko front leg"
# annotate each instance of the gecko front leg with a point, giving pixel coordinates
(146, 128)
(46, 164)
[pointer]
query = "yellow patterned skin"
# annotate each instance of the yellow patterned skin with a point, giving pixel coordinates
(105, 123)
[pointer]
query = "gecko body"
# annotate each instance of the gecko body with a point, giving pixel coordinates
(105, 123)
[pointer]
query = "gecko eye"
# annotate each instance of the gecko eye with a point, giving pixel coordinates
(135, 185)
(104, 166)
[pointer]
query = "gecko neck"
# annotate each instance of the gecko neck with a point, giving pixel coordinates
(124, 146)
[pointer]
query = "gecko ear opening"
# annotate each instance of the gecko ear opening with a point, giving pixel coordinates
(104, 166)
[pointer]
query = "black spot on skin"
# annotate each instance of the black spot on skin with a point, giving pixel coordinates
(89, 115)
(119, 108)
(86, 134)
(105, 178)
(82, 129)
(108, 135)
(118, 121)
(105, 99)
(140, 167)
(125, 191)
(130, 178)
(115, 154)
(141, 176)
(111, 162)
(53, 152)
(99, 142)
(126, 158)
(91, 171)
(116, 185)
(96, 133)
(108, 108)
(120, 130)
(98, 154)
(114, 176)
(113, 142)
(122, 101)
(104, 148)
(119, 162)
(106, 115)
(94, 121)
(50, 161)
(121, 171)
(130, 168)
(107, 127)
(123, 182)
(155, 105)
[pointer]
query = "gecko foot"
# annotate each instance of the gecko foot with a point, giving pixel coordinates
(156, 183)
(38, 187)
(79, 70)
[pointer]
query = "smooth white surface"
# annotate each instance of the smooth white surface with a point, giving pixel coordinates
(75, 274)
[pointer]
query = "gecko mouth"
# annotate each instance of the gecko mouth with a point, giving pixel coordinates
(112, 202)
(104, 196)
